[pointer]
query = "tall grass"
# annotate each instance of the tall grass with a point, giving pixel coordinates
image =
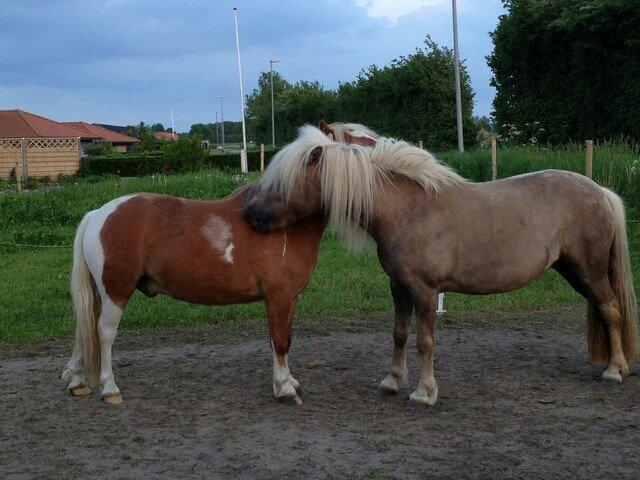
(616, 164)
(50, 217)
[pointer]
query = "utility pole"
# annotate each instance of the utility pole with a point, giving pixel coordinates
(456, 66)
(222, 97)
(243, 152)
(173, 128)
(273, 116)
(217, 127)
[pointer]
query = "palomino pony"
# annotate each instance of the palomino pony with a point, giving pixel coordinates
(437, 232)
(200, 252)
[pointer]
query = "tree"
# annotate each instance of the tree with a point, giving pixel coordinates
(158, 127)
(568, 69)
(258, 112)
(413, 99)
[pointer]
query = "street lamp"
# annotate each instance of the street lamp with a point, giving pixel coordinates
(243, 153)
(273, 117)
(222, 97)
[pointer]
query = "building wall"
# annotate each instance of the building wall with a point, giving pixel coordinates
(45, 157)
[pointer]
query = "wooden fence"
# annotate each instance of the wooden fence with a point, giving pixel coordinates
(39, 157)
(588, 159)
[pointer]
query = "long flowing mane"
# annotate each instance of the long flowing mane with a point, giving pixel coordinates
(351, 175)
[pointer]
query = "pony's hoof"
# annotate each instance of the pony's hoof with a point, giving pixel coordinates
(390, 385)
(293, 401)
(115, 399)
(612, 375)
(294, 383)
(81, 391)
(284, 390)
(423, 397)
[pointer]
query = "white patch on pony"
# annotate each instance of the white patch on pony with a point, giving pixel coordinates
(284, 246)
(228, 253)
(283, 383)
(218, 232)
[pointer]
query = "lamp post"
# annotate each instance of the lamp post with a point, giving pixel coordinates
(217, 127)
(222, 97)
(273, 116)
(243, 152)
(456, 66)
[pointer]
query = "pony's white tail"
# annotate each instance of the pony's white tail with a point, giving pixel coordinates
(621, 280)
(84, 302)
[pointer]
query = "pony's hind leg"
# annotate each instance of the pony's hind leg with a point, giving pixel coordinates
(107, 328)
(73, 371)
(606, 308)
(280, 314)
(396, 379)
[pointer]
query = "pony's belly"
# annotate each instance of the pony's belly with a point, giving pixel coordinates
(503, 277)
(209, 286)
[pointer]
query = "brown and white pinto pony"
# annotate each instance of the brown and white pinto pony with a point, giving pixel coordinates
(197, 251)
(437, 232)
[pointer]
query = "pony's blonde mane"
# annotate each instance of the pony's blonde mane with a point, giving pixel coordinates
(351, 175)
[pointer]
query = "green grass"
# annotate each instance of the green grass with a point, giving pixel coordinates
(616, 164)
(35, 302)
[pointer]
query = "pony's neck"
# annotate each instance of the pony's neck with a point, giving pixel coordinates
(397, 201)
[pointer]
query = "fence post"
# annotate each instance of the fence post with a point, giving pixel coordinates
(261, 157)
(23, 145)
(18, 178)
(420, 144)
(588, 159)
(494, 159)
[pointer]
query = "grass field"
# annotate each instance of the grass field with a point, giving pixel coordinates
(34, 275)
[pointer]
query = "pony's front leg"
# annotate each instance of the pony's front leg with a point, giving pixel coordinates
(396, 380)
(427, 390)
(280, 310)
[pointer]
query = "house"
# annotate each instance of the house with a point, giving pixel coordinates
(114, 128)
(166, 136)
(31, 145)
(120, 142)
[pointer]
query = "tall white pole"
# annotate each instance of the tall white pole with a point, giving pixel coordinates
(217, 136)
(243, 153)
(222, 97)
(456, 61)
(173, 128)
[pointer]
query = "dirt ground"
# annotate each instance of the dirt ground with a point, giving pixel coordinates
(517, 400)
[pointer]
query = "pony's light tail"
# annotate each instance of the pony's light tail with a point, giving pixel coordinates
(621, 280)
(84, 302)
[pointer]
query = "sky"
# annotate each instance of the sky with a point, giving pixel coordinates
(126, 61)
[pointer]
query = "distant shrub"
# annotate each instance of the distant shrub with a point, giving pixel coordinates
(184, 155)
(100, 147)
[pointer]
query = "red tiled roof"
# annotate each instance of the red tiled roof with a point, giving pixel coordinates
(103, 133)
(165, 136)
(18, 123)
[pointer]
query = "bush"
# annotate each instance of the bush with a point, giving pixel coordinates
(230, 162)
(182, 156)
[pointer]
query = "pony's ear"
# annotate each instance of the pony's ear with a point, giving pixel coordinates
(326, 129)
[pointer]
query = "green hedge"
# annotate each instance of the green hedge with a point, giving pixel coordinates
(230, 162)
(137, 164)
